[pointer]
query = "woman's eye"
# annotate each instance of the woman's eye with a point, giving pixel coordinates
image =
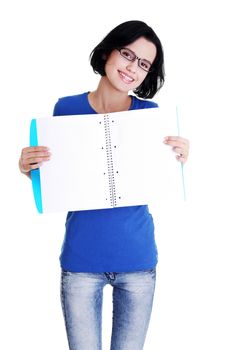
(145, 65)
(127, 55)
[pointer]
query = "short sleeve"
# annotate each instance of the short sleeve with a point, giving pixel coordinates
(56, 109)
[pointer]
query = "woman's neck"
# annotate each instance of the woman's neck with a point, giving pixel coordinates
(106, 99)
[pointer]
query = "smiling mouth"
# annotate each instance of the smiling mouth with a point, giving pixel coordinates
(125, 77)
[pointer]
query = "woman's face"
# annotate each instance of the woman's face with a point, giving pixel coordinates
(126, 75)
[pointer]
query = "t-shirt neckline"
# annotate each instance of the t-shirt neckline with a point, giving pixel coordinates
(130, 107)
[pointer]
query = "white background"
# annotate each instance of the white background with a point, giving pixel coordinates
(44, 55)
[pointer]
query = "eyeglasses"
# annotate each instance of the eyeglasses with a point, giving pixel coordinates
(131, 56)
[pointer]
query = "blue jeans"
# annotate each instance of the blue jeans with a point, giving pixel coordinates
(82, 296)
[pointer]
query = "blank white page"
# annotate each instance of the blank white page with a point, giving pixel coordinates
(146, 169)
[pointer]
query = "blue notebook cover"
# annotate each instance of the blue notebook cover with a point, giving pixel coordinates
(35, 174)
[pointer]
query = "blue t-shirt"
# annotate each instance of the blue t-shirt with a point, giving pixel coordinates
(106, 240)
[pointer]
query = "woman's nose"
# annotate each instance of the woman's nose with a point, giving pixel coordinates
(132, 66)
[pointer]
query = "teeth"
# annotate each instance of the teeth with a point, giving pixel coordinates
(126, 77)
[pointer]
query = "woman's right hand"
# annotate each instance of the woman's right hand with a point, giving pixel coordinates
(32, 158)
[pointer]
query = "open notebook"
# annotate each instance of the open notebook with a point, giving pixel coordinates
(106, 160)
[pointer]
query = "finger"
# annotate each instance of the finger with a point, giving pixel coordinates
(177, 143)
(176, 138)
(34, 149)
(35, 166)
(33, 155)
(181, 158)
(27, 168)
(30, 161)
(179, 150)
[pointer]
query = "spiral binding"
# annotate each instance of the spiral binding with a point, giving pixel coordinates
(111, 178)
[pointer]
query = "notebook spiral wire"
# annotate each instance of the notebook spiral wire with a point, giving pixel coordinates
(111, 178)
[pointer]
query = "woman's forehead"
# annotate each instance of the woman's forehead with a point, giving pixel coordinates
(143, 48)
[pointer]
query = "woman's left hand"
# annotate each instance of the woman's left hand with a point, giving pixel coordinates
(179, 145)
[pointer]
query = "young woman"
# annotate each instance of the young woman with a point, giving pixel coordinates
(111, 246)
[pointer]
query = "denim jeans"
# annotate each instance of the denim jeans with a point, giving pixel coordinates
(82, 296)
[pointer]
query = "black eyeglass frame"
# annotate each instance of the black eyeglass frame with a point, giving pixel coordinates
(135, 57)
